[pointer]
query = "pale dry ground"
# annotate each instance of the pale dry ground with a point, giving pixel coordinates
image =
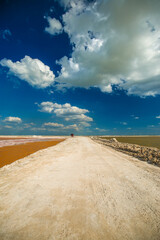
(79, 190)
(14, 140)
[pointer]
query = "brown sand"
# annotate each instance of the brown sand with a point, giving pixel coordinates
(10, 154)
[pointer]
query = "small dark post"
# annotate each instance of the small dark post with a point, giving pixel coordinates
(72, 135)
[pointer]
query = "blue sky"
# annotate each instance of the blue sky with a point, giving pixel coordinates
(88, 67)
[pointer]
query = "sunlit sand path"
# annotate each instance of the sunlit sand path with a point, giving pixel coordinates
(78, 190)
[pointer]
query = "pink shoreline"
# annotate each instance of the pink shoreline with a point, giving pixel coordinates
(11, 142)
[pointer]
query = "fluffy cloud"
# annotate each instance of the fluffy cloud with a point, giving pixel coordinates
(30, 70)
(13, 119)
(66, 111)
(55, 27)
(61, 127)
(7, 126)
(55, 127)
(114, 43)
(73, 126)
(51, 124)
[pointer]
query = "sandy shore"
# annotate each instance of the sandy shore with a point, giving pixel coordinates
(79, 190)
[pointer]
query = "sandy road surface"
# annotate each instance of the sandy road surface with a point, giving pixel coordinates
(79, 190)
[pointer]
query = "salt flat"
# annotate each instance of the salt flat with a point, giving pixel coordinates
(18, 140)
(79, 189)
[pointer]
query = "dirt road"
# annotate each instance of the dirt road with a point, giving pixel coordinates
(79, 190)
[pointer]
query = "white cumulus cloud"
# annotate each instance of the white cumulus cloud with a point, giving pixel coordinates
(114, 43)
(33, 71)
(66, 111)
(71, 127)
(51, 124)
(13, 119)
(60, 127)
(55, 27)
